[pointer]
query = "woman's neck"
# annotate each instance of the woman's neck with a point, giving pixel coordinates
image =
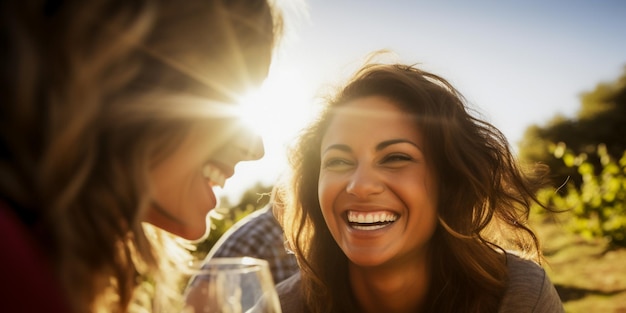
(393, 288)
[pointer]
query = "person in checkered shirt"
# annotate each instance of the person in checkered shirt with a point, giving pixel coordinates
(258, 235)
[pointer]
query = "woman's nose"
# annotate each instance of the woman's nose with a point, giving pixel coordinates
(247, 146)
(364, 182)
(253, 149)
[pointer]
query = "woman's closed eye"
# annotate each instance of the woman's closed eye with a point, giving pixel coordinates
(397, 157)
(336, 163)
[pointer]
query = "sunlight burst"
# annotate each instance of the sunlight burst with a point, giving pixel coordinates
(276, 111)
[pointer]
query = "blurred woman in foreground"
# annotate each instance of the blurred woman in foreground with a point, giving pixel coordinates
(116, 113)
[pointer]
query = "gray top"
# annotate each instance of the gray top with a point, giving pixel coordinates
(529, 290)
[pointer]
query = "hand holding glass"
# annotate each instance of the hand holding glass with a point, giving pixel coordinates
(232, 285)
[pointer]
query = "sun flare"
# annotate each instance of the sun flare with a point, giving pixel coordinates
(276, 111)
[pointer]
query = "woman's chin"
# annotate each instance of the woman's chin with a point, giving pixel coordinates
(196, 234)
(195, 230)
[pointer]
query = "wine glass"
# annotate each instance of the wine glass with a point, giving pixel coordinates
(232, 285)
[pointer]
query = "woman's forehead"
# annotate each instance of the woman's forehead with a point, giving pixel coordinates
(371, 108)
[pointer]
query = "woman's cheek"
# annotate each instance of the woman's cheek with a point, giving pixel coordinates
(329, 194)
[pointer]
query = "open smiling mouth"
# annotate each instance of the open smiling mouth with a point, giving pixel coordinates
(215, 176)
(370, 220)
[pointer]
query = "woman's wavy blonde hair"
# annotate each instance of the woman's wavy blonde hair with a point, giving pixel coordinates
(93, 94)
(483, 202)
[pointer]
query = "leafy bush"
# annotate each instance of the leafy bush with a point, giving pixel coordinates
(598, 207)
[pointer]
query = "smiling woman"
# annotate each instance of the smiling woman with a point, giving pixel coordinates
(400, 200)
(101, 142)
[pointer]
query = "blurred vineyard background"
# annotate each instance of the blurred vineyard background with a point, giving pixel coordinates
(585, 246)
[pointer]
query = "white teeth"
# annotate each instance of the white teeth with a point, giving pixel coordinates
(214, 175)
(370, 218)
(369, 227)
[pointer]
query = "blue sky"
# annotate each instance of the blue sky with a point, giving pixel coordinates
(517, 62)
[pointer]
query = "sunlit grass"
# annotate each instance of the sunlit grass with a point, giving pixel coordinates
(590, 277)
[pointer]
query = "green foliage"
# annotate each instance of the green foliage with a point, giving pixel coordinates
(600, 119)
(598, 205)
(221, 219)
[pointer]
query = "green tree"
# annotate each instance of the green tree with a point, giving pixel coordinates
(598, 206)
(600, 119)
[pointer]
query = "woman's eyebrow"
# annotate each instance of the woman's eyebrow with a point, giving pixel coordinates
(380, 146)
(340, 147)
(388, 143)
